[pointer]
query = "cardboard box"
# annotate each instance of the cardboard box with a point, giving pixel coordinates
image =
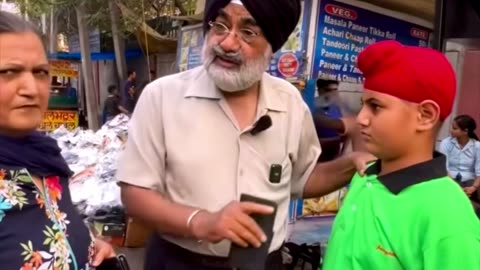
(137, 233)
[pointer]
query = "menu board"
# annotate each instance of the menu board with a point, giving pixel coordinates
(63, 68)
(288, 63)
(343, 31)
(53, 119)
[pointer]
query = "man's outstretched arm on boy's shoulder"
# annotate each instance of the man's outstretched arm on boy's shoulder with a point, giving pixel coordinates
(455, 252)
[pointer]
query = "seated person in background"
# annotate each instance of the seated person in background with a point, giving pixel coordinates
(405, 212)
(462, 149)
(112, 106)
(326, 107)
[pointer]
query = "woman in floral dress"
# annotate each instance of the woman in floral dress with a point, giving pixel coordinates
(40, 228)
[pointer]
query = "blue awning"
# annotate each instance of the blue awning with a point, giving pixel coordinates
(129, 54)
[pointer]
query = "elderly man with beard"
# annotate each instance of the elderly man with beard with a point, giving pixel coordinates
(201, 138)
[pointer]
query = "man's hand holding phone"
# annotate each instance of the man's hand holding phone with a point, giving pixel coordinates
(233, 222)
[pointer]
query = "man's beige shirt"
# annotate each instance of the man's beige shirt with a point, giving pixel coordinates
(184, 142)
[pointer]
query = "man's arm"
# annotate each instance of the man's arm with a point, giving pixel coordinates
(330, 176)
(123, 110)
(312, 180)
(328, 122)
(151, 207)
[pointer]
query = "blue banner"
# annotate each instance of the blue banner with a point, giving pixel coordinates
(343, 31)
(189, 49)
(288, 63)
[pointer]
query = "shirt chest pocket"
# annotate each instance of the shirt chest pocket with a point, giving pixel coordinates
(266, 177)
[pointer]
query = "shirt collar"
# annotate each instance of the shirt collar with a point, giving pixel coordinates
(270, 96)
(455, 142)
(202, 86)
(397, 181)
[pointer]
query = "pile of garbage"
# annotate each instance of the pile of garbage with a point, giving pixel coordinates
(92, 156)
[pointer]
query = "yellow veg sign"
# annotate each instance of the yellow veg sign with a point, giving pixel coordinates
(61, 68)
(54, 119)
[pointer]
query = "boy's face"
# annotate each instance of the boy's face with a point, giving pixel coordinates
(387, 124)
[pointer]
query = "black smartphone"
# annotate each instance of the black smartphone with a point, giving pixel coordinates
(252, 258)
(116, 263)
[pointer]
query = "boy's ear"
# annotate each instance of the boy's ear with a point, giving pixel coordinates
(428, 115)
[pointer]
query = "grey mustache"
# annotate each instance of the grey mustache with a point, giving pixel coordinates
(234, 57)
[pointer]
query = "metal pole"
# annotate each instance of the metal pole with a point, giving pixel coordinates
(52, 41)
(26, 13)
(87, 71)
(439, 31)
(118, 42)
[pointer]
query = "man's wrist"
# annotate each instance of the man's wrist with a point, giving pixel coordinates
(195, 223)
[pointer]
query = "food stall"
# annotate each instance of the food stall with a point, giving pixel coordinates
(63, 104)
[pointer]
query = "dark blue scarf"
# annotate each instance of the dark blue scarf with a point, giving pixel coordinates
(37, 153)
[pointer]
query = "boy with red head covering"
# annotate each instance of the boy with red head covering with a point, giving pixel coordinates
(405, 212)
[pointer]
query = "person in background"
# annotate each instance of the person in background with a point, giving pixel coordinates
(326, 107)
(346, 127)
(405, 212)
(40, 227)
(462, 149)
(252, 134)
(112, 106)
(129, 92)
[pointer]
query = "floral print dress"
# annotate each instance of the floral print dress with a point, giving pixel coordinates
(40, 229)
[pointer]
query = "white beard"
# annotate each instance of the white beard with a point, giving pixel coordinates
(250, 71)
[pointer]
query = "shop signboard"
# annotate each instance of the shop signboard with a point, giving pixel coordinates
(288, 63)
(189, 52)
(63, 68)
(343, 31)
(53, 119)
(94, 40)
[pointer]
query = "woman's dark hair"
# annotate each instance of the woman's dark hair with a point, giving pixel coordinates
(466, 123)
(11, 23)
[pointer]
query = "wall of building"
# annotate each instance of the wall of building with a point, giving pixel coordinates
(467, 66)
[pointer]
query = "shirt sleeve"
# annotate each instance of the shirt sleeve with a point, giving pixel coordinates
(443, 147)
(308, 153)
(477, 159)
(451, 235)
(453, 253)
(142, 163)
